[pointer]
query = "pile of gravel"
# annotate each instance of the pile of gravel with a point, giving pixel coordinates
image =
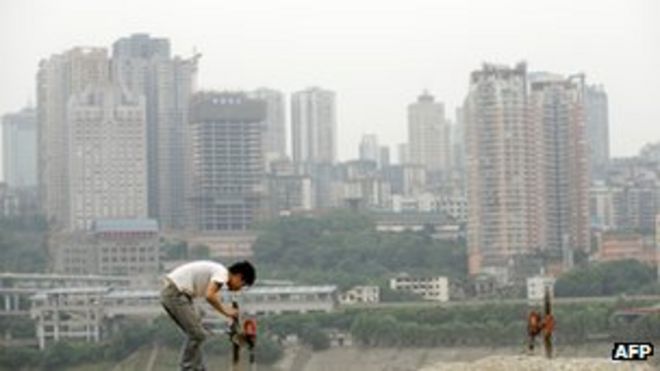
(528, 363)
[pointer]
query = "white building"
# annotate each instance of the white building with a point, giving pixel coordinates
(19, 149)
(430, 288)
(369, 148)
(107, 156)
(144, 65)
(59, 77)
(361, 294)
(536, 287)
(428, 134)
(602, 207)
(314, 126)
(274, 137)
(87, 314)
(267, 300)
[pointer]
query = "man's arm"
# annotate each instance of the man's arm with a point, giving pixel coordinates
(213, 298)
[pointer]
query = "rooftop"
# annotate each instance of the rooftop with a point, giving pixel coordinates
(125, 225)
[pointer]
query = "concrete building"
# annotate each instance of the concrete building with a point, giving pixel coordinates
(144, 66)
(430, 288)
(88, 314)
(59, 77)
(107, 156)
(636, 206)
(620, 246)
(369, 149)
(536, 287)
(458, 142)
(71, 314)
(19, 149)
(455, 206)
(17, 202)
(503, 191)
(403, 150)
(598, 137)
(602, 207)
(437, 223)
(428, 134)
(231, 245)
(362, 186)
(16, 289)
(360, 295)
(111, 247)
(556, 108)
(384, 157)
(289, 194)
(274, 141)
(650, 153)
(228, 172)
(314, 127)
(406, 179)
(266, 300)
(127, 247)
(527, 169)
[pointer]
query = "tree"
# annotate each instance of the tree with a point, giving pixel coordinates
(604, 279)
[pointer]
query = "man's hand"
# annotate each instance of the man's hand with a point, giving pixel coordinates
(213, 299)
(231, 312)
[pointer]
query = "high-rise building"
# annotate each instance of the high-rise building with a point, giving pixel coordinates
(384, 156)
(458, 142)
(228, 172)
(59, 77)
(598, 137)
(143, 66)
(504, 219)
(527, 163)
(556, 111)
(314, 127)
(107, 156)
(428, 134)
(369, 148)
(404, 153)
(20, 149)
(274, 140)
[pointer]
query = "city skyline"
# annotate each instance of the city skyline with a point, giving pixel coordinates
(395, 53)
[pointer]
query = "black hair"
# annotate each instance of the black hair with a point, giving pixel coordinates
(246, 270)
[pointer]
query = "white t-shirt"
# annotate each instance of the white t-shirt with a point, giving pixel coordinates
(193, 278)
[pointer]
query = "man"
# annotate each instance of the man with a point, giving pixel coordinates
(201, 279)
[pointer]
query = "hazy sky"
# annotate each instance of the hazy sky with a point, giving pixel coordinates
(377, 55)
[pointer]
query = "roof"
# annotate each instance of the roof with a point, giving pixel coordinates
(124, 293)
(125, 225)
(46, 276)
(70, 290)
(327, 289)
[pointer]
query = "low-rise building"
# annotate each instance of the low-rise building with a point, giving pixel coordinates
(430, 288)
(536, 287)
(360, 294)
(88, 313)
(266, 300)
(17, 288)
(620, 246)
(388, 221)
(112, 247)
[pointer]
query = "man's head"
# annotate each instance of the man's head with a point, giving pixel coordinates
(241, 274)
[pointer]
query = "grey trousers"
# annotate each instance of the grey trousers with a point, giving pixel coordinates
(181, 309)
